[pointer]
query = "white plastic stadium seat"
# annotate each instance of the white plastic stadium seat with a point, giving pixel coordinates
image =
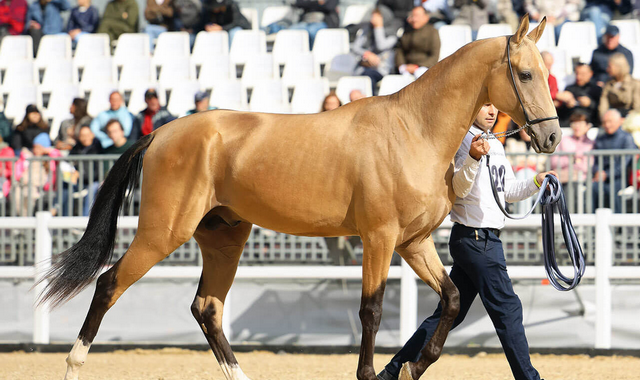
(355, 14)
(391, 84)
(170, 46)
(548, 39)
(258, 68)
(562, 64)
(577, 38)
(60, 99)
(494, 30)
(246, 43)
(19, 73)
(229, 95)
(269, 96)
(15, 48)
(210, 45)
(99, 99)
(629, 32)
(136, 71)
(635, 50)
(348, 84)
(98, 72)
(288, 43)
(452, 38)
(17, 102)
(329, 43)
(251, 14)
(91, 47)
(182, 97)
(52, 48)
(214, 70)
(175, 71)
(309, 94)
(131, 46)
(299, 67)
(274, 14)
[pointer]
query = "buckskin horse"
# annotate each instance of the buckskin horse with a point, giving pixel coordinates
(380, 168)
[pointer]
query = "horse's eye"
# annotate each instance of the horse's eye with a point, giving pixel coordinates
(525, 76)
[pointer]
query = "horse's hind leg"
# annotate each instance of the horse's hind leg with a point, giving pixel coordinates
(221, 250)
(423, 258)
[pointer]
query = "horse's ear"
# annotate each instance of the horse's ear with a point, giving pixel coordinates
(537, 32)
(522, 30)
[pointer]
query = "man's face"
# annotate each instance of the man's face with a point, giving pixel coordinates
(84, 3)
(486, 117)
(418, 18)
(583, 75)
(202, 105)
(356, 95)
(85, 137)
(115, 132)
(611, 42)
(116, 101)
(153, 103)
(611, 122)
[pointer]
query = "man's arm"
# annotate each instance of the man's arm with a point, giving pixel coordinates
(467, 164)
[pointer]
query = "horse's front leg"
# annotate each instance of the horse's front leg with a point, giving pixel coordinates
(378, 249)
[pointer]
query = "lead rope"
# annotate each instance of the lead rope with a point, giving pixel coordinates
(550, 199)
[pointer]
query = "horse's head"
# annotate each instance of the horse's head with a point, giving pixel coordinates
(530, 77)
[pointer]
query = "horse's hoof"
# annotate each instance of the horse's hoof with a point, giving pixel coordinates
(405, 372)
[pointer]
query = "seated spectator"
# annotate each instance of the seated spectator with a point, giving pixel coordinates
(419, 47)
(70, 128)
(43, 18)
(116, 111)
(374, 46)
(87, 144)
(613, 138)
(356, 95)
(316, 15)
(548, 60)
(622, 92)
(330, 102)
(32, 125)
(609, 46)
(12, 16)
(5, 126)
(120, 16)
(187, 17)
(578, 143)
(151, 118)
(557, 12)
(471, 12)
(84, 18)
(202, 103)
(223, 15)
(159, 16)
(600, 12)
(5, 169)
(120, 142)
(583, 95)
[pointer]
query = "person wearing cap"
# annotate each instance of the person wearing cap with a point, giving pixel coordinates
(32, 125)
(117, 110)
(223, 15)
(151, 118)
(609, 46)
(202, 103)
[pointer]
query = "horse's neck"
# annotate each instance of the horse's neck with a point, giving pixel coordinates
(446, 99)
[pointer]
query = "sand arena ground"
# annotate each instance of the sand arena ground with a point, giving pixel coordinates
(177, 364)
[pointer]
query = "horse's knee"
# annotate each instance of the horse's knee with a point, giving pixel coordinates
(205, 314)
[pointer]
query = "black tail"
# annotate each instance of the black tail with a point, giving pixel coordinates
(78, 266)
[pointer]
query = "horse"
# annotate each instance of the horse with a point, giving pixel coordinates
(380, 168)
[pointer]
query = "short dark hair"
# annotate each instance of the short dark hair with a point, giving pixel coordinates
(113, 121)
(579, 115)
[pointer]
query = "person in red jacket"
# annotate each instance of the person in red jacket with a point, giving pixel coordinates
(12, 15)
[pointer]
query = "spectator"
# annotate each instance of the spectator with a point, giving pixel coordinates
(419, 47)
(116, 111)
(43, 18)
(5, 169)
(622, 92)
(609, 46)
(87, 144)
(548, 60)
(187, 17)
(120, 142)
(32, 125)
(120, 16)
(399, 8)
(223, 15)
(12, 16)
(202, 103)
(70, 128)
(356, 95)
(5, 126)
(600, 12)
(159, 16)
(583, 95)
(505, 13)
(471, 12)
(330, 102)
(557, 11)
(613, 138)
(375, 48)
(151, 118)
(440, 12)
(578, 143)
(316, 15)
(84, 18)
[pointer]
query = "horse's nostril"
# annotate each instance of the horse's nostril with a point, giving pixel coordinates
(552, 138)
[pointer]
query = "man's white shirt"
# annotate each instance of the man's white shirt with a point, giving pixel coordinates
(475, 205)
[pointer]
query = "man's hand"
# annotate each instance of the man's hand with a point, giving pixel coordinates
(74, 32)
(370, 59)
(212, 28)
(411, 68)
(540, 176)
(377, 20)
(584, 101)
(600, 176)
(479, 147)
(34, 25)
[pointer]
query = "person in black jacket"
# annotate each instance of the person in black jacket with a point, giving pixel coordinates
(609, 46)
(223, 15)
(32, 125)
(316, 15)
(583, 95)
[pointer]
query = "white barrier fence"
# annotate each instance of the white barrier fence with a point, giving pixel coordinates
(603, 271)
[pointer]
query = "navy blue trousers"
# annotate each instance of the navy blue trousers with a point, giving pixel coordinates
(479, 268)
